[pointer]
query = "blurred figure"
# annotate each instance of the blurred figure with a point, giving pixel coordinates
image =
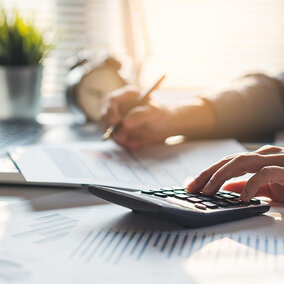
(251, 108)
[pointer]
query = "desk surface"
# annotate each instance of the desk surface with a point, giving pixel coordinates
(61, 129)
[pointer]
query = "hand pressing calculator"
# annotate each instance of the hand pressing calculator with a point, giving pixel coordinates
(177, 205)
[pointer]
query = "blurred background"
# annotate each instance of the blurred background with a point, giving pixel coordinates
(197, 43)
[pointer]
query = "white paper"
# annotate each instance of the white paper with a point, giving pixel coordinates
(44, 220)
(105, 163)
(228, 261)
(112, 244)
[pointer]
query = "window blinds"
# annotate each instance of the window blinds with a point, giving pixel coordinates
(197, 43)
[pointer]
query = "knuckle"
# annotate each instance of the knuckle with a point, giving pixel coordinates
(229, 157)
(269, 148)
(266, 147)
(242, 157)
(245, 157)
(272, 147)
(239, 161)
(276, 148)
(266, 171)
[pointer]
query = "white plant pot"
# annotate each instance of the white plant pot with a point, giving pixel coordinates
(20, 91)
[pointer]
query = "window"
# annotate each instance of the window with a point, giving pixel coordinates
(196, 43)
(202, 42)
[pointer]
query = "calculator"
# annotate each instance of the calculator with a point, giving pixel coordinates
(175, 204)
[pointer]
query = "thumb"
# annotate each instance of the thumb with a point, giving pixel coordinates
(137, 117)
(238, 187)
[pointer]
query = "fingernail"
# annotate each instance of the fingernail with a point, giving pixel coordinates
(190, 185)
(207, 188)
(243, 196)
(189, 189)
(206, 191)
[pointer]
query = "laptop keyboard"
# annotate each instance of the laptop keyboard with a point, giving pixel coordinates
(19, 132)
(179, 196)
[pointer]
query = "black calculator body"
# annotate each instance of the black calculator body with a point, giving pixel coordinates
(175, 204)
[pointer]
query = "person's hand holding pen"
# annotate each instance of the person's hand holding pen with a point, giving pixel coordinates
(134, 120)
(140, 124)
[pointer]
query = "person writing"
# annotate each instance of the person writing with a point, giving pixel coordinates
(252, 108)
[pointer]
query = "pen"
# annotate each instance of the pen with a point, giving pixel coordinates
(142, 99)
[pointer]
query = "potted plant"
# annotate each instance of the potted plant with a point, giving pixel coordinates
(22, 50)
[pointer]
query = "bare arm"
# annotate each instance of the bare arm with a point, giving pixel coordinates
(252, 107)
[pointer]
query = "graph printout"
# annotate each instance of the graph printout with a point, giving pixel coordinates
(105, 163)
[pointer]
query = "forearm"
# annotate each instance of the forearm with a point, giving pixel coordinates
(251, 108)
(195, 120)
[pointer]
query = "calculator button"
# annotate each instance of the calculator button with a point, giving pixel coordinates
(218, 197)
(234, 202)
(178, 188)
(193, 195)
(194, 199)
(157, 190)
(255, 201)
(160, 194)
(204, 197)
(221, 203)
(210, 205)
(228, 196)
(200, 206)
(221, 191)
(170, 193)
(181, 196)
(147, 191)
(235, 194)
(166, 188)
(180, 192)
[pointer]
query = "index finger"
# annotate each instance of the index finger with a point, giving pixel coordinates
(200, 181)
(111, 116)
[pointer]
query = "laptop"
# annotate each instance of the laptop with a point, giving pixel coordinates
(16, 132)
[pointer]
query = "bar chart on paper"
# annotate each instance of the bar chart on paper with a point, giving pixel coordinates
(120, 245)
(46, 228)
(105, 163)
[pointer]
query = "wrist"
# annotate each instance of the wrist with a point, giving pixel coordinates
(195, 120)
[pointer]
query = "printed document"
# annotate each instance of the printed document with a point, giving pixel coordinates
(105, 163)
(113, 245)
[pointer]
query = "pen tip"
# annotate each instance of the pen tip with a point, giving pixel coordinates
(105, 137)
(108, 133)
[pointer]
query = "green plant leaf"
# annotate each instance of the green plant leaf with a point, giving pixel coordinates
(21, 43)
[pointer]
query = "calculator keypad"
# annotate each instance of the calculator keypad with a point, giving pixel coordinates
(222, 199)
